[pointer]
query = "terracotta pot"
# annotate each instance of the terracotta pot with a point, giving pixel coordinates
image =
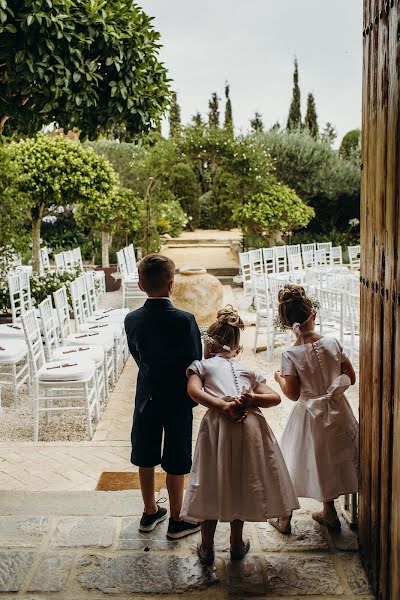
(5, 319)
(112, 285)
(198, 292)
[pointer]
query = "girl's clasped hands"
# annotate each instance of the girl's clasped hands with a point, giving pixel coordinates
(236, 407)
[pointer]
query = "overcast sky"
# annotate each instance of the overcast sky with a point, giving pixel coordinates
(252, 44)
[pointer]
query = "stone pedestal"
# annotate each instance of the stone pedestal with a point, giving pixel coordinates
(198, 292)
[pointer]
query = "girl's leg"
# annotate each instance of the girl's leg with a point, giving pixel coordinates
(329, 510)
(237, 533)
(207, 534)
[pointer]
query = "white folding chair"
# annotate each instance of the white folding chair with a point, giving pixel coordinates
(14, 364)
(293, 249)
(264, 316)
(321, 259)
(45, 260)
(56, 350)
(77, 259)
(269, 260)
(280, 259)
(351, 318)
(130, 288)
(256, 261)
(354, 257)
(336, 256)
(130, 260)
(59, 260)
(308, 247)
(331, 311)
(327, 248)
(116, 315)
(295, 262)
(308, 259)
(245, 270)
(14, 290)
(59, 385)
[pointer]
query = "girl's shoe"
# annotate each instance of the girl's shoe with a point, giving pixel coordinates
(285, 528)
(239, 551)
(331, 524)
(206, 555)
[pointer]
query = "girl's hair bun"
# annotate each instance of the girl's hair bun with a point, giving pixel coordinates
(230, 316)
(291, 293)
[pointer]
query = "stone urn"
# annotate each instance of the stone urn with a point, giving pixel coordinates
(198, 292)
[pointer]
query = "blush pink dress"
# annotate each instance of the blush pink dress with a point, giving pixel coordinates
(238, 470)
(320, 441)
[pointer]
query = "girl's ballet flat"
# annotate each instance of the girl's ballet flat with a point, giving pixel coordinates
(238, 552)
(286, 528)
(206, 555)
(330, 524)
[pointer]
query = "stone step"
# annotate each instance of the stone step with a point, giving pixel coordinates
(198, 244)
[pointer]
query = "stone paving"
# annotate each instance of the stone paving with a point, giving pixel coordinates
(87, 545)
(61, 539)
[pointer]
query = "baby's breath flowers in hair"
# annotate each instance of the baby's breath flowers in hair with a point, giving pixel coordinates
(295, 306)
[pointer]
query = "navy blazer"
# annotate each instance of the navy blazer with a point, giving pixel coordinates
(164, 341)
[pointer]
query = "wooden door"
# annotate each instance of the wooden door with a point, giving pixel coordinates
(379, 513)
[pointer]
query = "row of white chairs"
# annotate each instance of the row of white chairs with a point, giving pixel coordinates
(71, 261)
(282, 259)
(339, 308)
(127, 268)
(99, 337)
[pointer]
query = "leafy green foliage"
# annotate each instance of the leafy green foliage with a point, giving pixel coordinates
(171, 219)
(256, 123)
(87, 64)
(186, 188)
(174, 116)
(13, 205)
(54, 172)
(294, 118)
(310, 120)
(228, 121)
(213, 111)
(121, 155)
(351, 145)
(277, 209)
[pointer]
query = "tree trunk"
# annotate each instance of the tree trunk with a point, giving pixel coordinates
(105, 248)
(36, 225)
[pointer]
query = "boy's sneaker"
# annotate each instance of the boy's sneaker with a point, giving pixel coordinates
(180, 529)
(149, 522)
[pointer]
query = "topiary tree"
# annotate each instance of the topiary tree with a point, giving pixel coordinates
(54, 172)
(294, 118)
(185, 186)
(351, 145)
(13, 205)
(90, 65)
(121, 210)
(276, 210)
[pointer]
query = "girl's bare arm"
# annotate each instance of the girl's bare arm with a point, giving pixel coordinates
(347, 369)
(289, 384)
(262, 395)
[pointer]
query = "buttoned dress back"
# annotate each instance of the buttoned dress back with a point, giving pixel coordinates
(320, 440)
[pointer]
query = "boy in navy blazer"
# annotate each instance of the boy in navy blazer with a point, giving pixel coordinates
(164, 341)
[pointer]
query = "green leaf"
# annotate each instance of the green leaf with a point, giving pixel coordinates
(76, 76)
(29, 20)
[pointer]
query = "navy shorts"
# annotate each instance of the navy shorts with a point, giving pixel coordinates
(148, 450)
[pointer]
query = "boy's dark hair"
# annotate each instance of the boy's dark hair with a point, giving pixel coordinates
(155, 272)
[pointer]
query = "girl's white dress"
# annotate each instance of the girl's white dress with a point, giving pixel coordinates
(238, 470)
(320, 441)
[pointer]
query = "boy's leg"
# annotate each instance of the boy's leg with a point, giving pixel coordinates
(175, 487)
(207, 534)
(146, 477)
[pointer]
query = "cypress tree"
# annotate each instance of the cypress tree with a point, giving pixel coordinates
(213, 113)
(228, 123)
(310, 120)
(197, 120)
(256, 123)
(174, 117)
(294, 118)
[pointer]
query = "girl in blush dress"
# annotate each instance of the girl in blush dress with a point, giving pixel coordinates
(320, 441)
(238, 472)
